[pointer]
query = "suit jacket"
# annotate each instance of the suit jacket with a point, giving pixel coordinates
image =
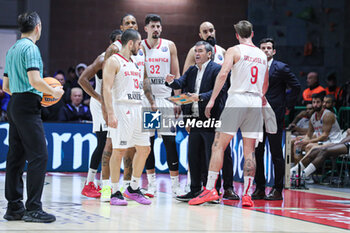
(282, 79)
(69, 113)
(187, 83)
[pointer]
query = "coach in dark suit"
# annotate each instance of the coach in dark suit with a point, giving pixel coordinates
(199, 81)
(281, 79)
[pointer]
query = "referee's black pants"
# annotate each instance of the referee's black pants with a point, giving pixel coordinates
(26, 143)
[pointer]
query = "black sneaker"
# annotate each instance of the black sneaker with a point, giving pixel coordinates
(230, 194)
(14, 215)
(188, 196)
(38, 216)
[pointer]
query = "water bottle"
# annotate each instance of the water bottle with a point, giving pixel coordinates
(302, 180)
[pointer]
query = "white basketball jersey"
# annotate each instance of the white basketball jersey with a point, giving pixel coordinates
(157, 64)
(126, 86)
(139, 59)
(98, 80)
(248, 74)
(334, 135)
(219, 55)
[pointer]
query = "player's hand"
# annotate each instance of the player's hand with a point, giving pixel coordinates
(99, 99)
(154, 107)
(193, 97)
(188, 129)
(112, 121)
(169, 78)
(208, 108)
(177, 111)
(57, 92)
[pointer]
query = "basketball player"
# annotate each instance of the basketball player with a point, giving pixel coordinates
(249, 82)
(161, 59)
(122, 96)
(207, 33)
(128, 21)
(99, 125)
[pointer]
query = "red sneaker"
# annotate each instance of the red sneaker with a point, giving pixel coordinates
(205, 196)
(247, 201)
(90, 190)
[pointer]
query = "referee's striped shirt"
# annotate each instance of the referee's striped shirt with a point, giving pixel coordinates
(22, 57)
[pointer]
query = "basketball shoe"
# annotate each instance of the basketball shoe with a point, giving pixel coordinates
(151, 190)
(205, 196)
(106, 193)
(90, 190)
(247, 201)
(136, 195)
(118, 199)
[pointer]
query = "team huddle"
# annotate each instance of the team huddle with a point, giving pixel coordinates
(141, 73)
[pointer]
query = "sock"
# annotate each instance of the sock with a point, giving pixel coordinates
(126, 183)
(248, 182)
(91, 175)
(188, 178)
(212, 177)
(174, 181)
(105, 183)
(296, 167)
(309, 169)
(135, 182)
(115, 187)
(151, 178)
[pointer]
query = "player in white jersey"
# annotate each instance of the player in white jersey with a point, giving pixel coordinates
(323, 126)
(128, 21)
(99, 125)
(122, 96)
(246, 96)
(206, 33)
(161, 59)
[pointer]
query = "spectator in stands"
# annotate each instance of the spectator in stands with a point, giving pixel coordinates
(4, 100)
(317, 156)
(323, 125)
(72, 79)
(75, 111)
(332, 88)
(329, 103)
(300, 124)
(313, 87)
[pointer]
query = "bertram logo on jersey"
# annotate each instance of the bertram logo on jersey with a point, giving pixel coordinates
(164, 49)
(140, 52)
(220, 57)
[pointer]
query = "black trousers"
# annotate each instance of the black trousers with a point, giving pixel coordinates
(275, 141)
(26, 143)
(199, 154)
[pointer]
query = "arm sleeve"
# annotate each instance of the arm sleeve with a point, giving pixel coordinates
(32, 58)
(181, 82)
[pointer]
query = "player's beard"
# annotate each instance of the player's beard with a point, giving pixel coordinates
(134, 51)
(318, 109)
(155, 36)
(211, 40)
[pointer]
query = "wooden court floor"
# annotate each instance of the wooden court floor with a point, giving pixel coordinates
(315, 210)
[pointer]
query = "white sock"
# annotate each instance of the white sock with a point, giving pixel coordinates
(135, 182)
(151, 178)
(91, 175)
(174, 181)
(248, 183)
(188, 178)
(126, 183)
(212, 177)
(115, 187)
(309, 169)
(105, 183)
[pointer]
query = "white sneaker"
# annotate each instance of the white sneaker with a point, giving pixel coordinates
(187, 188)
(177, 191)
(151, 190)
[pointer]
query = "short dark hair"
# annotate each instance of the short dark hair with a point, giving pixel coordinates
(208, 48)
(318, 95)
(244, 28)
(152, 17)
(114, 34)
(124, 16)
(331, 97)
(266, 40)
(59, 72)
(129, 34)
(28, 21)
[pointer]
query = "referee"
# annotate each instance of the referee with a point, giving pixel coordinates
(23, 80)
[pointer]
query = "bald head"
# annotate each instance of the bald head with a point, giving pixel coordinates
(206, 29)
(312, 79)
